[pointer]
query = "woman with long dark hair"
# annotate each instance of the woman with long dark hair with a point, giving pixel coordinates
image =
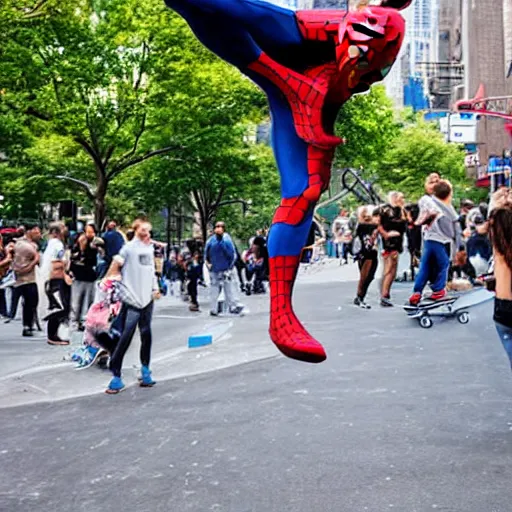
(500, 232)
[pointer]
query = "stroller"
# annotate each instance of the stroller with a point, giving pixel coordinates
(99, 319)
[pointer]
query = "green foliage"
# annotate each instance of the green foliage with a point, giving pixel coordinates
(420, 150)
(399, 150)
(261, 189)
(369, 124)
(118, 95)
(91, 89)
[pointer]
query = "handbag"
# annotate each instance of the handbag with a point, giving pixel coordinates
(8, 280)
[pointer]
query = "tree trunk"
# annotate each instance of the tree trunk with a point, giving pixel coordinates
(168, 230)
(204, 225)
(100, 208)
(179, 224)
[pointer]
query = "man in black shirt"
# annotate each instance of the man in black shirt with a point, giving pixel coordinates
(393, 223)
(83, 270)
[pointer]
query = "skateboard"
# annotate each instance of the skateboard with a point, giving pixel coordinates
(446, 308)
(454, 306)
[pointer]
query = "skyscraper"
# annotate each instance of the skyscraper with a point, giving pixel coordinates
(421, 47)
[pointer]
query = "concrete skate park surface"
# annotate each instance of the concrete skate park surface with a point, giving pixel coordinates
(397, 419)
(31, 371)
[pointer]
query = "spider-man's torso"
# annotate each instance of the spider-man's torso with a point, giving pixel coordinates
(358, 49)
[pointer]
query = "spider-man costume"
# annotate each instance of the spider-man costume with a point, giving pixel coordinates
(308, 63)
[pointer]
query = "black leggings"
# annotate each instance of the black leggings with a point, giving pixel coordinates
(15, 300)
(367, 268)
(3, 304)
(130, 318)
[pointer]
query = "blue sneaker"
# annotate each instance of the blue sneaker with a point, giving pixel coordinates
(145, 380)
(92, 354)
(116, 385)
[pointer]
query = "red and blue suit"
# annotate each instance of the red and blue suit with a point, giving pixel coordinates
(309, 63)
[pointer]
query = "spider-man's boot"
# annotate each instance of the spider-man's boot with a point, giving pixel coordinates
(288, 334)
(306, 96)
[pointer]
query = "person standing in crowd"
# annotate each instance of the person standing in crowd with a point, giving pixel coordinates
(427, 206)
(5, 264)
(57, 283)
(240, 268)
(159, 256)
(367, 255)
(138, 289)
(194, 276)
(220, 257)
(341, 236)
(414, 237)
(442, 238)
(466, 206)
(15, 297)
(84, 257)
(114, 242)
(392, 227)
(500, 232)
(260, 242)
(478, 248)
(25, 260)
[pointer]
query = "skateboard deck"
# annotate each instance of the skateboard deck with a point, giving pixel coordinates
(427, 305)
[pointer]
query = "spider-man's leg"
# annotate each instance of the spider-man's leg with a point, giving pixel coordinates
(219, 33)
(239, 41)
(271, 26)
(305, 172)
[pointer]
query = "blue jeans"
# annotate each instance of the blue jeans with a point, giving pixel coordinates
(505, 334)
(435, 257)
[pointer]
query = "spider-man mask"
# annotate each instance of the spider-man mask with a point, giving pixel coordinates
(369, 41)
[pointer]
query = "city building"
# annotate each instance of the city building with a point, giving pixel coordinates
(288, 4)
(475, 48)
(411, 78)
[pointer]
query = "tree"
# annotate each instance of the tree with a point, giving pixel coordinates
(120, 82)
(419, 150)
(261, 193)
(369, 124)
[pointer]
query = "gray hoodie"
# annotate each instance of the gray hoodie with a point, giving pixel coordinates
(446, 228)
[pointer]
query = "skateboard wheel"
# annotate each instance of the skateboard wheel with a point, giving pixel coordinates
(426, 322)
(463, 318)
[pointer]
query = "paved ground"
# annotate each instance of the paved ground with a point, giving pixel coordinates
(31, 371)
(398, 418)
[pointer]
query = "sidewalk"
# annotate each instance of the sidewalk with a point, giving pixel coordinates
(32, 371)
